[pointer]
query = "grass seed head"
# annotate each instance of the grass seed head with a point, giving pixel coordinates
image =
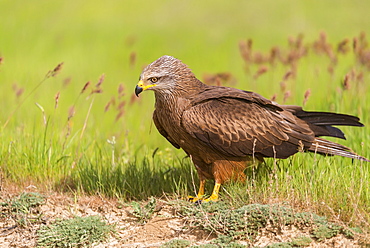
(261, 70)
(121, 90)
(355, 44)
(282, 86)
(331, 68)
(212, 79)
(119, 115)
(107, 106)
(287, 75)
(55, 71)
(346, 82)
(343, 46)
(19, 92)
(274, 54)
(71, 112)
(306, 96)
(121, 105)
(101, 80)
(259, 58)
(85, 87)
(96, 91)
(56, 98)
(287, 94)
(245, 48)
(67, 81)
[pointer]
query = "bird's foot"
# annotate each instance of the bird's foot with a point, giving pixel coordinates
(201, 199)
(195, 199)
(212, 198)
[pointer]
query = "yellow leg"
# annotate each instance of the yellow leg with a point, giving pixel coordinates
(200, 194)
(214, 196)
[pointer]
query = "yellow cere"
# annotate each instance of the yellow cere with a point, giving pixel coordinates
(145, 87)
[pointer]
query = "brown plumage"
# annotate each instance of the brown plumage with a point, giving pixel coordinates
(222, 129)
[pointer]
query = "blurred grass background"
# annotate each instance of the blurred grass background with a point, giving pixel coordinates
(95, 38)
(117, 39)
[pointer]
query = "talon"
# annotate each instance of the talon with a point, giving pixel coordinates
(195, 199)
(212, 198)
(200, 195)
(199, 199)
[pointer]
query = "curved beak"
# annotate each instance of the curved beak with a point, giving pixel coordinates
(138, 90)
(140, 87)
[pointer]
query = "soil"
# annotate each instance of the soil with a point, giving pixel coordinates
(164, 226)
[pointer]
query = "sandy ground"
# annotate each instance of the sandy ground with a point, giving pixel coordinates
(165, 225)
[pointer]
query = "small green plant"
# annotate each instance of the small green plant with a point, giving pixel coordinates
(176, 243)
(246, 222)
(144, 213)
(75, 232)
(24, 208)
(224, 241)
(322, 232)
(301, 241)
(280, 245)
(205, 246)
(297, 242)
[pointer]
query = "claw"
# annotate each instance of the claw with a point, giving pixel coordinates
(199, 199)
(212, 198)
(200, 195)
(196, 199)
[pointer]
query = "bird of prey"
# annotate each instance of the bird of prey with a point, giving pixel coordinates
(224, 129)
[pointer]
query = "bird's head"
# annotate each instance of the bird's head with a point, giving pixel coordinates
(164, 75)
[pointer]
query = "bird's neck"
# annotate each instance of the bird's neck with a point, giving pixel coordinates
(187, 88)
(178, 99)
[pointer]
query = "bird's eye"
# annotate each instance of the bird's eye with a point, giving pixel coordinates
(153, 79)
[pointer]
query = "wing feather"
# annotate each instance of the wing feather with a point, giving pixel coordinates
(162, 131)
(241, 126)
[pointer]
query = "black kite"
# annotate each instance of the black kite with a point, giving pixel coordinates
(222, 128)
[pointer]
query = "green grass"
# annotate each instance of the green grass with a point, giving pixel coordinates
(81, 146)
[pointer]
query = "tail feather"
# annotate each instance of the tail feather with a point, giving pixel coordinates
(327, 147)
(322, 122)
(328, 119)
